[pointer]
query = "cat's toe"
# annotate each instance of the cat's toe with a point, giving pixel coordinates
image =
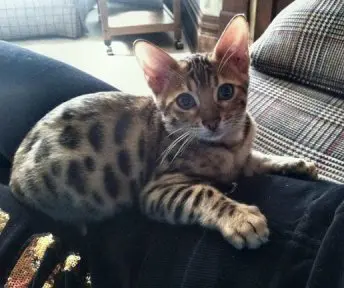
(252, 239)
(246, 227)
(312, 170)
(234, 238)
(307, 168)
(301, 167)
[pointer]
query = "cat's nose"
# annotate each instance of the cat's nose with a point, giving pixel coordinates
(212, 124)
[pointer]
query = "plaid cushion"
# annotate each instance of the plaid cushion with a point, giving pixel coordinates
(305, 43)
(20, 19)
(298, 121)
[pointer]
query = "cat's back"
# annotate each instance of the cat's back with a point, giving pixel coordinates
(81, 159)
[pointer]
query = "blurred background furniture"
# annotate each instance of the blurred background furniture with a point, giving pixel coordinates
(24, 19)
(204, 20)
(266, 11)
(132, 18)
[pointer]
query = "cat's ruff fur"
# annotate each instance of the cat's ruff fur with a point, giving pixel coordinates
(97, 153)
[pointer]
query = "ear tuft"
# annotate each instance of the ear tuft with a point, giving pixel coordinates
(233, 44)
(155, 63)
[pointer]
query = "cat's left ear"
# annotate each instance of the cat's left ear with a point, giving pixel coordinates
(232, 46)
(157, 65)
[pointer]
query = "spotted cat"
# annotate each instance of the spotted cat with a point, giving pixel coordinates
(97, 153)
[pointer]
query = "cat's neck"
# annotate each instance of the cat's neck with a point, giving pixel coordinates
(245, 136)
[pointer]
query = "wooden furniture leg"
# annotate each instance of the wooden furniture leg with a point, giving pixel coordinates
(98, 10)
(104, 15)
(177, 25)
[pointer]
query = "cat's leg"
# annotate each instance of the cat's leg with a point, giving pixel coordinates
(259, 163)
(177, 199)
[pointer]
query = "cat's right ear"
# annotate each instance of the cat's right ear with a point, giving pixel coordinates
(156, 64)
(232, 47)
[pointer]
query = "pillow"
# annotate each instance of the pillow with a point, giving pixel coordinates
(23, 19)
(305, 43)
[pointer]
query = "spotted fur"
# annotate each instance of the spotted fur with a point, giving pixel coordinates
(97, 153)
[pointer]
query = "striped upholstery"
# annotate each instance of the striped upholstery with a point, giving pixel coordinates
(305, 43)
(298, 121)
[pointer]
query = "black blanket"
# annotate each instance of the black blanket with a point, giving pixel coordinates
(305, 249)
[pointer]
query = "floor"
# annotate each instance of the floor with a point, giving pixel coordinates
(89, 54)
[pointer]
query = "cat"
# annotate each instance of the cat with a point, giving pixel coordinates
(95, 154)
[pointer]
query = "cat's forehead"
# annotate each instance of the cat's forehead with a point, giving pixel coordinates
(200, 70)
(197, 62)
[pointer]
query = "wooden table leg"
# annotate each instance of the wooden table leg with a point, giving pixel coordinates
(177, 24)
(104, 16)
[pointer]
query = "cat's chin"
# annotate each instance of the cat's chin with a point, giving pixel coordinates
(227, 137)
(213, 137)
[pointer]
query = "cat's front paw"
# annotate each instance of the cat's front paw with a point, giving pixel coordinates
(295, 166)
(245, 227)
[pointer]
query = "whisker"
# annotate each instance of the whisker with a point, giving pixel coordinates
(173, 144)
(174, 132)
(165, 153)
(190, 139)
(179, 151)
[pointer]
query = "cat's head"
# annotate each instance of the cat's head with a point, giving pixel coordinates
(205, 95)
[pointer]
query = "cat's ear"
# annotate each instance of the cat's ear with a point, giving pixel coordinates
(232, 46)
(157, 65)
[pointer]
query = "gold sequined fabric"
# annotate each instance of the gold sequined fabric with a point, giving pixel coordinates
(4, 217)
(31, 258)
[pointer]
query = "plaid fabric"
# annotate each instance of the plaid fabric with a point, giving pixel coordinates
(298, 121)
(21, 19)
(305, 43)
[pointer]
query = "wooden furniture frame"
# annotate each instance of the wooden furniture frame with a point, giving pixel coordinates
(201, 30)
(266, 11)
(130, 22)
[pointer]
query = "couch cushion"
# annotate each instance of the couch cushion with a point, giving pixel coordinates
(305, 43)
(22, 19)
(298, 121)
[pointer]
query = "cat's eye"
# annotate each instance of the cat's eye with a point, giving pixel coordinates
(186, 101)
(225, 92)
